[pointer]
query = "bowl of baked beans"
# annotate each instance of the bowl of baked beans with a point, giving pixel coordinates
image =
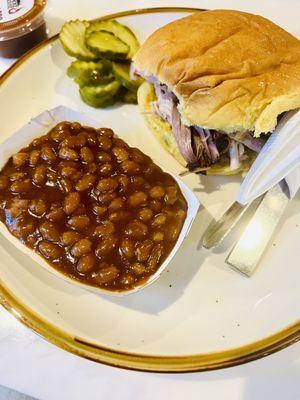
(93, 210)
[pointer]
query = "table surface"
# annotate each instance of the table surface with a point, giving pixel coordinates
(33, 366)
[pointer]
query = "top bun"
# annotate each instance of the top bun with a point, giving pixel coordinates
(231, 71)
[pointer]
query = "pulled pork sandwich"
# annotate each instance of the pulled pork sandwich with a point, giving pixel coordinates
(216, 83)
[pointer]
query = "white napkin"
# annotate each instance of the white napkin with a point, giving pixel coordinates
(279, 159)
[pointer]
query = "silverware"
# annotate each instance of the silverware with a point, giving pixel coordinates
(218, 230)
(249, 249)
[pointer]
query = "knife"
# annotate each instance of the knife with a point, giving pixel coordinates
(249, 249)
(218, 230)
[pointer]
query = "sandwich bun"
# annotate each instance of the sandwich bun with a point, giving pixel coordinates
(231, 71)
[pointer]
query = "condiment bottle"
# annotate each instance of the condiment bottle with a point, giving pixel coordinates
(22, 26)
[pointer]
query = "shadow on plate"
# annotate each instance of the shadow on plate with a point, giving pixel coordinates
(211, 183)
(54, 24)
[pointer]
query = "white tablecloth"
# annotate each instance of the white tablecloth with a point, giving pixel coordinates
(33, 366)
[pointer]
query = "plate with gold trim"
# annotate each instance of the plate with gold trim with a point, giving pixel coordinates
(199, 315)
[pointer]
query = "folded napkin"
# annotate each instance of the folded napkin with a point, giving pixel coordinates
(279, 159)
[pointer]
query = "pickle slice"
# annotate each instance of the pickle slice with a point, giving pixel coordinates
(121, 73)
(102, 95)
(72, 38)
(129, 97)
(90, 72)
(106, 44)
(119, 30)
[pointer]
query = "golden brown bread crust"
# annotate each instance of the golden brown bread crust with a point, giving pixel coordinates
(230, 70)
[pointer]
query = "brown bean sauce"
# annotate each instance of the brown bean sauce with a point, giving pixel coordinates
(96, 209)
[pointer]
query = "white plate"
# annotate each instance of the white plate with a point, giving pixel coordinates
(200, 314)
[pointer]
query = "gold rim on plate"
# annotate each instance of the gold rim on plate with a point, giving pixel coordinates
(135, 361)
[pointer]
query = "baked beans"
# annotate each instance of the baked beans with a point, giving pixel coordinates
(96, 209)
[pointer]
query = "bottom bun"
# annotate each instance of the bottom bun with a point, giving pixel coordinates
(161, 129)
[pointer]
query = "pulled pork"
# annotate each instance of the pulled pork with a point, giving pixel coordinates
(200, 147)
